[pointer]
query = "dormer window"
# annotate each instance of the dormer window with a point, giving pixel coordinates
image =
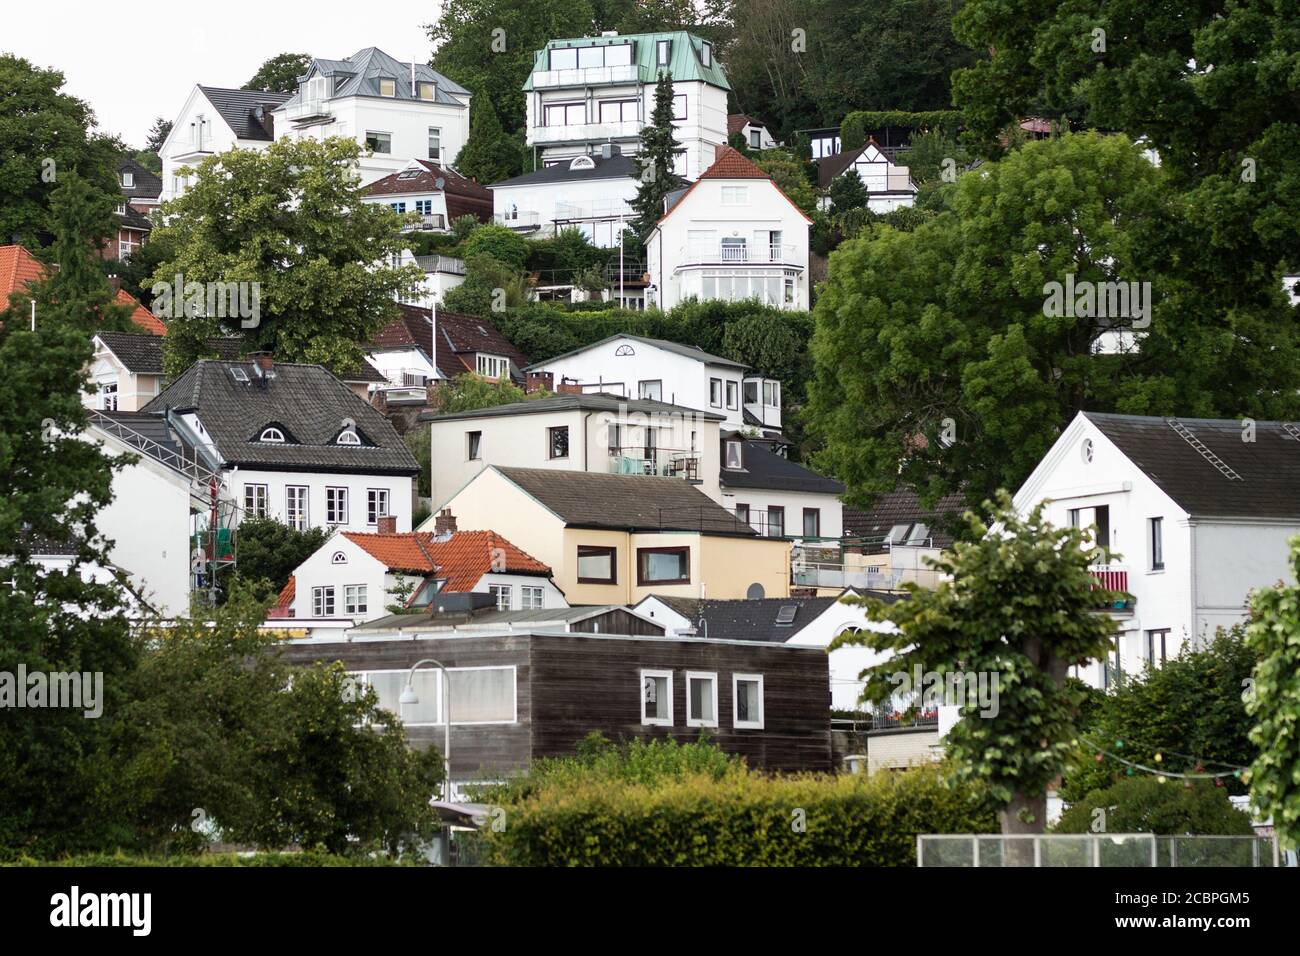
(348, 437)
(706, 54)
(735, 456)
(428, 91)
(387, 86)
(121, 209)
(128, 180)
(582, 162)
(663, 52)
(272, 434)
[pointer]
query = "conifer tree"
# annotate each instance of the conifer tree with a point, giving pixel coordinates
(655, 160)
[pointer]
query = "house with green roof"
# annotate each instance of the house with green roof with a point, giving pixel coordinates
(590, 91)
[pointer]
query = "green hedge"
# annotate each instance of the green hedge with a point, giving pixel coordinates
(853, 131)
(738, 819)
(309, 858)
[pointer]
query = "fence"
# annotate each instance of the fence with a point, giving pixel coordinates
(1095, 850)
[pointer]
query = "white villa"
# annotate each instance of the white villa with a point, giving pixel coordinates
(214, 120)
(889, 187)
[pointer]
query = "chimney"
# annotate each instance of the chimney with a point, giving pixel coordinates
(263, 360)
(568, 387)
(540, 381)
(115, 283)
(444, 522)
(388, 524)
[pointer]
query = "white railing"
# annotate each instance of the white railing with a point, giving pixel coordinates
(517, 219)
(597, 209)
(586, 76)
(745, 253)
(306, 108)
(594, 130)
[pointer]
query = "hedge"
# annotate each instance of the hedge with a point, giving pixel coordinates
(853, 131)
(738, 819)
(303, 859)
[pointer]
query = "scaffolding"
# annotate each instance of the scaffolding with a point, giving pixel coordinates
(213, 543)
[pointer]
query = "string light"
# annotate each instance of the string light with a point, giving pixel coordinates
(1163, 773)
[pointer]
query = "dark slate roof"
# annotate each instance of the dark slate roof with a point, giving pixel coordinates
(616, 167)
(139, 352)
(359, 75)
(306, 401)
(240, 108)
(464, 197)
(1268, 469)
(586, 402)
(748, 620)
(153, 435)
(626, 502)
(690, 351)
(557, 617)
(766, 469)
(148, 185)
(903, 507)
(828, 167)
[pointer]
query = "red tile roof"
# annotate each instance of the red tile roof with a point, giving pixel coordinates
(462, 558)
(461, 338)
(19, 268)
(283, 606)
(728, 163)
(736, 122)
(463, 196)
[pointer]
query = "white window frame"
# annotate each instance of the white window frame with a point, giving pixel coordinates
(108, 397)
(500, 591)
(712, 677)
(531, 597)
(355, 599)
(435, 142)
(296, 518)
(374, 496)
(257, 500)
(682, 98)
(491, 366)
(318, 596)
(640, 686)
(128, 180)
(272, 435)
(376, 133)
(736, 722)
(663, 52)
(431, 88)
(734, 445)
(388, 83)
(735, 195)
(336, 512)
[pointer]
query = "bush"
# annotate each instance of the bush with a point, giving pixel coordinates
(500, 243)
(312, 858)
(856, 126)
(1145, 805)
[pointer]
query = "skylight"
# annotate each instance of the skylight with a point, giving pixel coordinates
(238, 374)
(785, 616)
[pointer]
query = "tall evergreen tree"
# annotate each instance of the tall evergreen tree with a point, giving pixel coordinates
(490, 154)
(655, 159)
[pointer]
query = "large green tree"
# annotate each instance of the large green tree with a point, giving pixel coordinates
(45, 134)
(291, 219)
(1016, 610)
(949, 329)
(280, 73)
(270, 551)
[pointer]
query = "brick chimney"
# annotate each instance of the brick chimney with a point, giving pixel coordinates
(264, 360)
(444, 522)
(539, 381)
(568, 388)
(388, 524)
(115, 283)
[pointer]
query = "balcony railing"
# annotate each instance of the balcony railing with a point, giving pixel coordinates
(518, 220)
(822, 575)
(597, 209)
(1112, 577)
(586, 76)
(666, 462)
(305, 110)
(595, 131)
(739, 253)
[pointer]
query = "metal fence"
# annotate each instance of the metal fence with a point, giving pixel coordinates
(1095, 849)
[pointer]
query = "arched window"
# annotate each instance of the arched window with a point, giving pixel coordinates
(349, 437)
(271, 434)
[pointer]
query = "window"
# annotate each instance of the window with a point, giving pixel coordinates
(812, 522)
(742, 513)
(751, 393)
(1157, 539)
(657, 698)
(128, 241)
(255, 501)
(398, 206)
(387, 87)
(120, 209)
(376, 504)
(379, 142)
(108, 396)
(424, 207)
(128, 180)
(564, 114)
(566, 59)
(271, 435)
(530, 598)
(1157, 646)
(435, 142)
(596, 565)
(775, 522)
(501, 594)
(295, 506)
(348, 437)
(474, 445)
(322, 602)
(388, 687)
(735, 455)
(772, 394)
(755, 139)
(747, 700)
(492, 366)
(558, 441)
(336, 506)
(735, 195)
(618, 111)
(663, 566)
(679, 106)
(354, 599)
(663, 52)
(706, 54)
(789, 291)
(715, 392)
(732, 392)
(428, 91)
(652, 389)
(701, 699)
(482, 695)
(614, 431)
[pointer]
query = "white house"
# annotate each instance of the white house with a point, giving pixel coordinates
(889, 187)
(757, 135)
(292, 442)
(731, 235)
(658, 370)
(398, 111)
(212, 121)
(126, 371)
(776, 496)
(358, 575)
(590, 193)
(592, 90)
(436, 193)
(1195, 513)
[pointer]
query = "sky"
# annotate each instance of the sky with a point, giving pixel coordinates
(132, 68)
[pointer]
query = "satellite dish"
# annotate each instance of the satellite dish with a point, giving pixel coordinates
(755, 592)
(441, 182)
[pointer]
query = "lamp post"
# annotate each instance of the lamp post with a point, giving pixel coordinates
(410, 697)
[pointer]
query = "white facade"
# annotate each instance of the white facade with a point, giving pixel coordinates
(757, 136)
(198, 131)
(609, 442)
(731, 239)
(251, 488)
(889, 187)
(117, 388)
(344, 580)
(635, 367)
(441, 275)
(597, 206)
(786, 512)
(1208, 567)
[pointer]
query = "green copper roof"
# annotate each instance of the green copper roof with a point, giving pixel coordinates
(685, 63)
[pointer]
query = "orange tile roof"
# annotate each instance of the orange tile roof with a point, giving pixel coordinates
(728, 163)
(283, 606)
(462, 558)
(19, 268)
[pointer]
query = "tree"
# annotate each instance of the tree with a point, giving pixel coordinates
(1273, 700)
(270, 551)
(158, 133)
(1146, 805)
(790, 175)
(489, 287)
(1016, 611)
(501, 243)
(45, 136)
(280, 73)
(953, 321)
(847, 192)
(490, 154)
(773, 343)
(655, 160)
(290, 222)
(469, 392)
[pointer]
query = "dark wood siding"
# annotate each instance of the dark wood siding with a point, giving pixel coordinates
(585, 684)
(618, 621)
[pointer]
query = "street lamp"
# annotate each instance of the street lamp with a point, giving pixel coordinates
(410, 697)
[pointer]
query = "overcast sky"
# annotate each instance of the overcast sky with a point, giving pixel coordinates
(134, 63)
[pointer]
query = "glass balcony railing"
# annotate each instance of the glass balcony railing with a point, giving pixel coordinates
(666, 462)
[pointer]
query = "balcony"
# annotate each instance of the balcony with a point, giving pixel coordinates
(742, 253)
(665, 462)
(583, 132)
(1112, 577)
(597, 209)
(586, 76)
(518, 220)
(308, 111)
(431, 223)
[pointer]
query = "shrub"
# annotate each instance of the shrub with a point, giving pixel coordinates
(312, 858)
(1145, 805)
(500, 243)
